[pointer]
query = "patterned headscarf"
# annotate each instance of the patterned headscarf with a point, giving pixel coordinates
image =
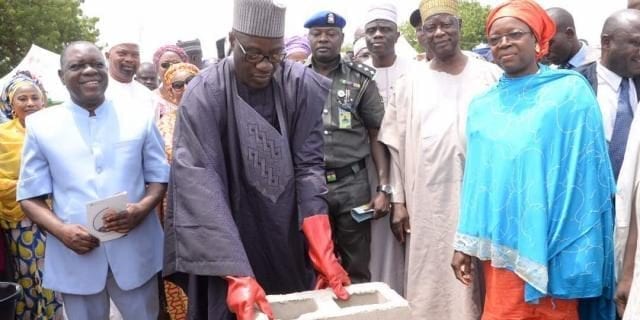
(19, 80)
(166, 48)
(171, 72)
(297, 44)
(533, 15)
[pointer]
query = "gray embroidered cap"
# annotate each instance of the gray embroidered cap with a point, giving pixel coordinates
(260, 18)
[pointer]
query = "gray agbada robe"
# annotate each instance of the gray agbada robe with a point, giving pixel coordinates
(247, 169)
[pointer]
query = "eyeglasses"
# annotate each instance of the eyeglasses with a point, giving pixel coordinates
(178, 85)
(516, 35)
(168, 64)
(444, 25)
(255, 58)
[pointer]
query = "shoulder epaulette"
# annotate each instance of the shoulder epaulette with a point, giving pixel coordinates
(364, 69)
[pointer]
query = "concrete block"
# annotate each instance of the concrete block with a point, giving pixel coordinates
(369, 301)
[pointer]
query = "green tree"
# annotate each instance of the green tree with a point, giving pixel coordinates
(50, 24)
(346, 47)
(473, 15)
(409, 33)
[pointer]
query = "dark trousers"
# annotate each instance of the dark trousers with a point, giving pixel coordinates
(352, 239)
(208, 298)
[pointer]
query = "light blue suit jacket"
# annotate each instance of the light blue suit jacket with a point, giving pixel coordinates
(77, 159)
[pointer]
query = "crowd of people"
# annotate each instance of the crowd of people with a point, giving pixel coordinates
(499, 188)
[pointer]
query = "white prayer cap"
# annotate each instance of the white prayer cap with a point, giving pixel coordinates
(123, 38)
(382, 11)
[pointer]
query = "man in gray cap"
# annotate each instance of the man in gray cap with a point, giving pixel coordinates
(352, 117)
(193, 50)
(247, 214)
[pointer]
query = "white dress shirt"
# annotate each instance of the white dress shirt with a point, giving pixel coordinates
(608, 91)
(130, 91)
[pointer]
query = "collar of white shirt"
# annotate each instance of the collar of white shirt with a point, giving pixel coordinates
(579, 58)
(612, 79)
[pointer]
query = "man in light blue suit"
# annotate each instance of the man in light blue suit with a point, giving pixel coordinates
(90, 148)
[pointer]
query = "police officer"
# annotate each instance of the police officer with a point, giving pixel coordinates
(352, 116)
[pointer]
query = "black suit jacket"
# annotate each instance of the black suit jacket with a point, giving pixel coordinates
(590, 72)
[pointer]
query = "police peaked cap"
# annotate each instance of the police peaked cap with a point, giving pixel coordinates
(326, 19)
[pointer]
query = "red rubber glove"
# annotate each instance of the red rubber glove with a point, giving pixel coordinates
(317, 230)
(243, 294)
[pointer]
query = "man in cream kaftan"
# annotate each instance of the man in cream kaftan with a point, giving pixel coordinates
(627, 204)
(424, 129)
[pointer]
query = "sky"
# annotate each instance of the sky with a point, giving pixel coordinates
(156, 22)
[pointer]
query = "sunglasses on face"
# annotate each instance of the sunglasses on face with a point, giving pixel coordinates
(178, 85)
(168, 64)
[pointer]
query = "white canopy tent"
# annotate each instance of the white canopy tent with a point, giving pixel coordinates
(44, 64)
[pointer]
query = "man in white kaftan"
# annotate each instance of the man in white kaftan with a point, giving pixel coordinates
(381, 35)
(424, 128)
(124, 61)
(626, 229)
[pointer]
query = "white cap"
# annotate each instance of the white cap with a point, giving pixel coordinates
(382, 11)
(123, 38)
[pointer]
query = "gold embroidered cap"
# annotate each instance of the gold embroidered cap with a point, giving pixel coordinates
(431, 7)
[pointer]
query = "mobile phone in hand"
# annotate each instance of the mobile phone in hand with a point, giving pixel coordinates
(362, 213)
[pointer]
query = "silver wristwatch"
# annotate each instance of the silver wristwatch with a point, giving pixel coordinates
(385, 188)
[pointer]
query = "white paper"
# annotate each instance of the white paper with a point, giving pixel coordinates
(96, 211)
